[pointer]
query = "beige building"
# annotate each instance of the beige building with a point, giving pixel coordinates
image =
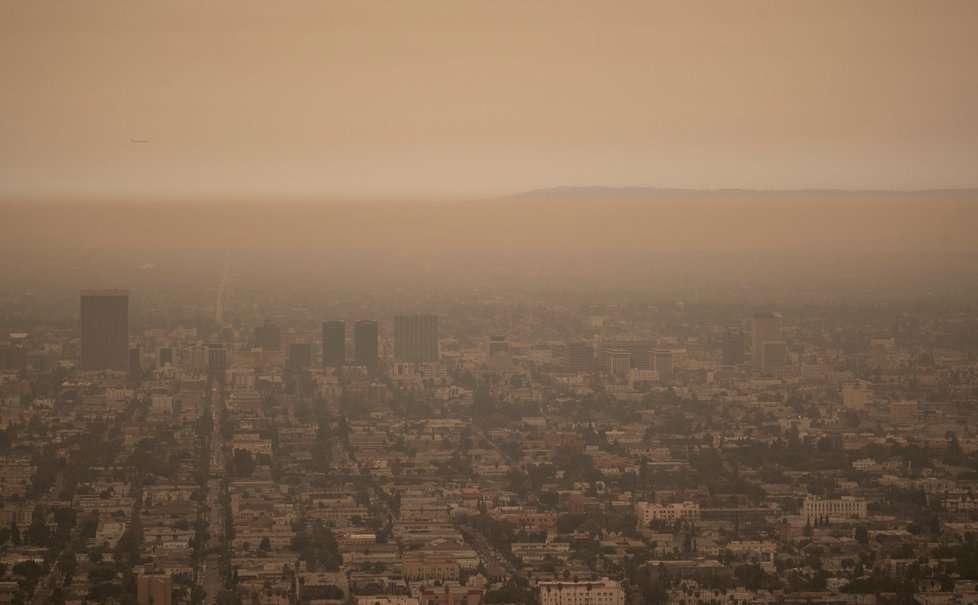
(649, 511)
(422, 565)
(846, 507)
(593, 592)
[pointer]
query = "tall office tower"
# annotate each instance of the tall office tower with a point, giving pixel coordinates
(775, 355)
(662, 360)
(416, 338)
(732, 347)
(300, 355)
(334, 343)
(580, 356)
(766, 328)
(217, 361)
(105, 330)
(135, 361)
(268, 337)
(365, 347)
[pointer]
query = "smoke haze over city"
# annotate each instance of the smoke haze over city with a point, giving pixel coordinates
(489, 303)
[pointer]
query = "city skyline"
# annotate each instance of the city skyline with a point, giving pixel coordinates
(564, 302)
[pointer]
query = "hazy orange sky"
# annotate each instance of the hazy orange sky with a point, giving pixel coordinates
(477, 98)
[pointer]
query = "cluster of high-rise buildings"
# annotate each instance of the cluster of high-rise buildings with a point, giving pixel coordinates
(105, 339)
(105, 343)
(366, 338)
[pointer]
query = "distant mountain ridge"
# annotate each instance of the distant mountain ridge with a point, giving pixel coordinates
(567, 191)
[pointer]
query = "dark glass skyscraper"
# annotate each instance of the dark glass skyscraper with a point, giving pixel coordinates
(300, 355)
(416, 338)
(135, 361)
(334, 343)
(217, 361)
(733, 347)
(268, 337)
(105, 330)
(365, 342)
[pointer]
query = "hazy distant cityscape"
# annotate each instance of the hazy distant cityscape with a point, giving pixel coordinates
(488, 302)
(495, 450)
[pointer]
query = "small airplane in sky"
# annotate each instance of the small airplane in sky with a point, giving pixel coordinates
(139, 140)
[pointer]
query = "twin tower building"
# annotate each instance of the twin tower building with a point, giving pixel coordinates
(105, 336)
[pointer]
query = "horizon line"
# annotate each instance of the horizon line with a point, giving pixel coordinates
(579, 190)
